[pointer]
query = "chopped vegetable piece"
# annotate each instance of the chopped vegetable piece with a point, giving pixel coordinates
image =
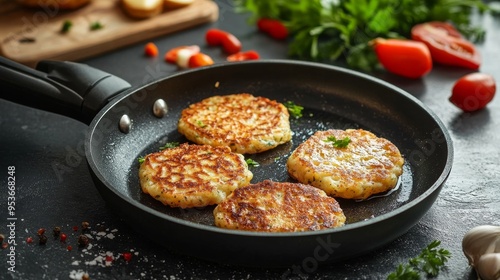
(406, 58)
(172, 54)
(199, 59)
(446, 44)
(216, 37)
(273, 27)
(241, 56)
(473, 92)
(342, 143)
(294, 109)
(67, 24)
(96, 25)
(151, 49)
(251, 162)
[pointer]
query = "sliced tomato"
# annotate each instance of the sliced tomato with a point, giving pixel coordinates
(406, 58)
(275, 28)
(446, 44)
(241, 56)
(150, 49)
(216, 37)
(473, 92)
(200, 59)
(171, 55)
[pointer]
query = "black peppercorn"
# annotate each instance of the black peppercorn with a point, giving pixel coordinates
(85, 226)
(83, 240)
(57, 231)
(42, 239)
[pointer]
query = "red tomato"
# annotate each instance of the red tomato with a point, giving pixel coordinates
(273, 27)
(214, 36)
(200, 59)
(473, 91)
(150, 49)
(446, 44)
(171, 55)
(240, 56)
(406, 58)
(230, 44)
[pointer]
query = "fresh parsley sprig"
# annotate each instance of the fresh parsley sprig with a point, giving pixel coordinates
(327, 30)
(430, 262)
(252, 163)
(338, 143)
(294, 109)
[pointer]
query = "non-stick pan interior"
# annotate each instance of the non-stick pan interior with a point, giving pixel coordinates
(332, 98)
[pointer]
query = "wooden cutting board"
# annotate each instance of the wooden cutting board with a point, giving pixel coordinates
(30, 35)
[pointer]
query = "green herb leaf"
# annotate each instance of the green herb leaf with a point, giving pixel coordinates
(338, 143)
(141, 159)
(169, 145)
(201, 124)
(294, 109)
(429, 261)
(251, 162)
(96, 26)
(67, 24)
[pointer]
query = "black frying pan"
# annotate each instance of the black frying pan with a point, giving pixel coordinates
(333, 98)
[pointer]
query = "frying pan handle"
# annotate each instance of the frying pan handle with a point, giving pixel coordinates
(72, 89)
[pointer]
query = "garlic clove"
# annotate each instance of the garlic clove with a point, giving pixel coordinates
(481, 240)
(488, 266)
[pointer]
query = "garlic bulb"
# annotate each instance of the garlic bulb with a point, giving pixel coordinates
(488, 266)
(481, 246)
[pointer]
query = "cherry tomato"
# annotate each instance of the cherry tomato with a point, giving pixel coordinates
(406, 58)
(151, 49)
(214, 36)
(446, 44)
(171, 55)
(275, 28)
(240, 56)
(230, 44)
(473, 91)
(200, 59)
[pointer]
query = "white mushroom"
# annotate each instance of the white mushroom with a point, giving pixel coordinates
(481, 246)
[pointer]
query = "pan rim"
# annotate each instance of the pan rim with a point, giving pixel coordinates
(365, 223)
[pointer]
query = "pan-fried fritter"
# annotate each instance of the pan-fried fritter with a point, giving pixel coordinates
(367, 165)
(278, 207)
(193, 175)
(243, 122)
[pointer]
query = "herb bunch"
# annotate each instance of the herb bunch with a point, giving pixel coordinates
(429, 262)
(326, 30)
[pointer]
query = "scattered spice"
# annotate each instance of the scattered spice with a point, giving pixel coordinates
(127, 256)
(83, 240)
(63, 237)
(85, 276)
(41, 231)
(75, 228)
(56, 231)
(96, 26)
(85, 226)
(66, 26)
(42, 240)
(4, 245)
(29, 240)
(69, 248)
(2, 237)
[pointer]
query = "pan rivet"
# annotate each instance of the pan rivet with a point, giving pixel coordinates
(160, 108)
(125, 124)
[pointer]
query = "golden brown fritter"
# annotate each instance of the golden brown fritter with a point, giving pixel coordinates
(367, 165)
(278, 207)
(245, 123)
(193, 175)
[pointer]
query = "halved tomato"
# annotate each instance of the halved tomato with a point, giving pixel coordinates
(446, 44)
